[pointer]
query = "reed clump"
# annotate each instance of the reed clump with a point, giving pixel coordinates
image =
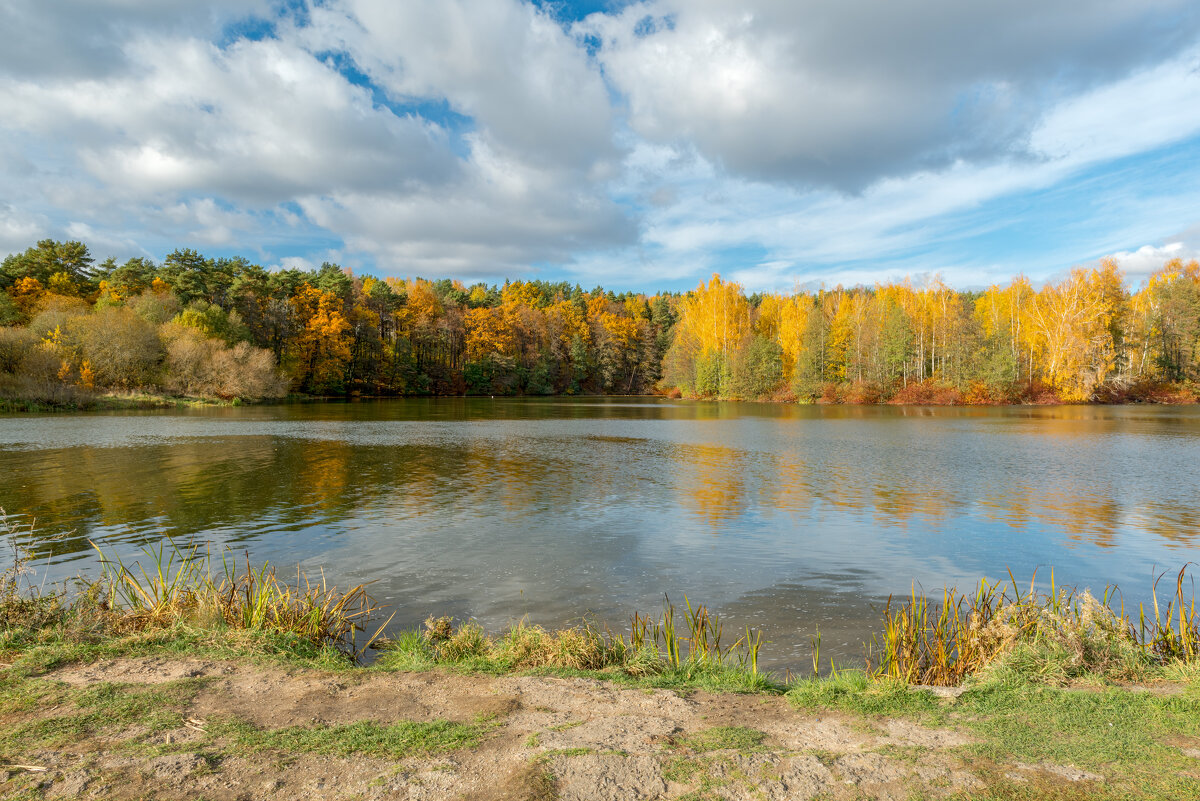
(675, 641)
(169, 588)
(1054, 636)
(183, 586)
(21, 601)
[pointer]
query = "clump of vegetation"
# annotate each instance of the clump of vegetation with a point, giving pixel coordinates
(174, 589)
(1056, 635)
(669, 649)
(181, 586)
(723, 738)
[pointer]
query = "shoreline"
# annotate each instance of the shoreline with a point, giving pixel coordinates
(152, 401)
(181, 682)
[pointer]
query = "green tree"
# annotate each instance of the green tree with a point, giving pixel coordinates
(46, 260)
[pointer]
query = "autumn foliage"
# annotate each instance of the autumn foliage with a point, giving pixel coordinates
(194, 325)
(1086, 337)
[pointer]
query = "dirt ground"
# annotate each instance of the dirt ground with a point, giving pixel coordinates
(545, 738)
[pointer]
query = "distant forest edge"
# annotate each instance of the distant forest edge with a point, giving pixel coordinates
(228, 328)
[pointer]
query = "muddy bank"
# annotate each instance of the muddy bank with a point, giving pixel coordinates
(213, 731)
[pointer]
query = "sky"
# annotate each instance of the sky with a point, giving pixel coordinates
(635, 145)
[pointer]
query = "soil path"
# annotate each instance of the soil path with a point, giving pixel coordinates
(543, 738)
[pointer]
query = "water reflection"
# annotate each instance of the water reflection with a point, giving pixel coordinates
(790, 516)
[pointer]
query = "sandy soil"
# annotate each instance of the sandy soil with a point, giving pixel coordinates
(548, 738)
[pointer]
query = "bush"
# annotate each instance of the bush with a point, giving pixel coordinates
(121, 348)
(208, 368)
(927, 393)
(155, 308)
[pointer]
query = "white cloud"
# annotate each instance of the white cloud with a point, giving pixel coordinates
(18, 229)
(1147, 259)
(507, 65)
(85, 39)
(845, 93)
(264, 123)
(807, 233)
(774, 139)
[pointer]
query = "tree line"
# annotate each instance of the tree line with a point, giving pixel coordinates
(323, 331)
(227, 327)
(1087, 337)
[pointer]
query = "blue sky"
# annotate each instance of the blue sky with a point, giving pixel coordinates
(638, 145)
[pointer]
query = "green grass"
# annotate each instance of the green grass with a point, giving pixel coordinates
(1122, 735)
(723, 738)
(1130, 737)
(474, 653)
(36, 653)
(366, 738)
(857, 692)
(76, 715)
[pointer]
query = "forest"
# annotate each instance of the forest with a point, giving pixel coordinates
(195, 326)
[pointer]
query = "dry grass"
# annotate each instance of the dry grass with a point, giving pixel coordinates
(180, 586)
(670, 642)
(1056, 635)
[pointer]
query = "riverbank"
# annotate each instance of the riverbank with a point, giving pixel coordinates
(187, 682)
(181, 717)
(114, 401)
(926, 394)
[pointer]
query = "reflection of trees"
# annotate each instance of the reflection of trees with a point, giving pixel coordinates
(241, 486)
(719, 483)
(323, 474)
(711, 482)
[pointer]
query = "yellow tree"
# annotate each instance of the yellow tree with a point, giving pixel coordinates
(1072, 326)
(322, 344)
(487, 334)
(714, 322)
(793, 321)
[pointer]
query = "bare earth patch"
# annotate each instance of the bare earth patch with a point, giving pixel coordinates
(540, 738)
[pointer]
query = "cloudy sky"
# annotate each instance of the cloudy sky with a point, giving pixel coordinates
(641, 145)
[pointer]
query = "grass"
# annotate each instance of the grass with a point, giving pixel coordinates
(658, 653)
(110, 401)
(72, 716)
(1129, 737)
(723, 738)
(183, 586)
(1057, 635)
(365, 738)
(858, 692)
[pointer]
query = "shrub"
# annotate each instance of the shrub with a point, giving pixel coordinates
(208, 368)
(122, 349)
(927, 393)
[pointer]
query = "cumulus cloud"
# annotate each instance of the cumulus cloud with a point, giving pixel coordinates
(776, 140)
(1138, 264)
(843, 94)
(186, 125)
(258, 122)
(507, 65)
(86, 38)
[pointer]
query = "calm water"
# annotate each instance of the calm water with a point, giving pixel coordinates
(782, 517)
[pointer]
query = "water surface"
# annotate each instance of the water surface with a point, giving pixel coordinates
(784, 517)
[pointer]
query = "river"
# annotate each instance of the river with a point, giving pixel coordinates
(783, 517)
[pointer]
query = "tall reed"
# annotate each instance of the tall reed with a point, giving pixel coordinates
(926, 641)
(177, 585)
(700, 644)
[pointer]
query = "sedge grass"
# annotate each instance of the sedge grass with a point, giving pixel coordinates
(674, 649)
(180, 585)
(1060, 634)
